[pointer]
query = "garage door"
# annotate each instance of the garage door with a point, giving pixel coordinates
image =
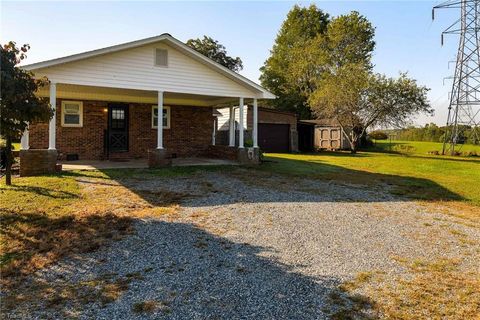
(273, 137)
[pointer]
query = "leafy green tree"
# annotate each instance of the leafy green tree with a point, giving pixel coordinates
(217, 52)
(359, 99)
(347, 40)
(432, 132)
(301, 26)
(19, 105)
(378, 135)
(350, 39)
(308, 46)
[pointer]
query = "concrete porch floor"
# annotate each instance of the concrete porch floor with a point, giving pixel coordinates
(139, 163)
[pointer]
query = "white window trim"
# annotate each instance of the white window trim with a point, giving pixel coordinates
(155, 58)
(80, 124)
(168, 117)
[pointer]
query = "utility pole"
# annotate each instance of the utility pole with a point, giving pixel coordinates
(464, 107)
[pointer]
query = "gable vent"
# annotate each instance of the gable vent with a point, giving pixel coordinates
(161, 57)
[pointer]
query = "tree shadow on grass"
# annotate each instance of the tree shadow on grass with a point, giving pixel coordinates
(285, 180)
(42, 191)
(187, 273)
(410, 188)
(35, 240)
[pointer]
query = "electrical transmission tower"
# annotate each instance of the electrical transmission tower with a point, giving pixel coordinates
(464, 107)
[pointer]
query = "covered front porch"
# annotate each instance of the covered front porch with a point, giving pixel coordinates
(96, 124)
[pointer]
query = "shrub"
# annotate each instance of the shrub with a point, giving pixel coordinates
(248, 143)
(378, 135)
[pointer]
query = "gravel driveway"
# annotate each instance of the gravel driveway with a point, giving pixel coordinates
(254, 246)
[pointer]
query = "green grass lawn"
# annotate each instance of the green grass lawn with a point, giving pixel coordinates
(420, 147)
(415, 174)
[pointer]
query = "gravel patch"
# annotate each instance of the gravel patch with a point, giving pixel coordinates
(246, 246)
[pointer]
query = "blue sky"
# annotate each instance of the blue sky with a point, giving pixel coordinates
(407, 39)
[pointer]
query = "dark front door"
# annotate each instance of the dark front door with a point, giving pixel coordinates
(273, 137)
(118, 127)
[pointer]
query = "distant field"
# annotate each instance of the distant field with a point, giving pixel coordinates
(420, 147)
(415, 173)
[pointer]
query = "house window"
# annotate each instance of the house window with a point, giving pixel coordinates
(72, 114)
(161, 57)
(166, 117)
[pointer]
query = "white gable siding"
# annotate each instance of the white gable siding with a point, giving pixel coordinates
(135, 69)
(223, 118)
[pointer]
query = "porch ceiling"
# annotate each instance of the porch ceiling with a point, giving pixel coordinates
(79, 92)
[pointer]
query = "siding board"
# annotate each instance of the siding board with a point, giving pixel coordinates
(134, 69)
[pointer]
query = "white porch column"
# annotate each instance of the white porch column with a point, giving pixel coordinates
(240, 133)
(25, 140)
(214, 133)
(52, 128)
(255, 123)
(231, 127)
(160, 121)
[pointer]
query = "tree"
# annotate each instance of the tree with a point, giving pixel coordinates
(309, 45)
(378, 135)
(301, 26)
(359, 99)
(347, 40)
(19, 105)
(215, 51)
(350, 39)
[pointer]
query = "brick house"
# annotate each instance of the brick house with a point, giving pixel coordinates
(108, 102)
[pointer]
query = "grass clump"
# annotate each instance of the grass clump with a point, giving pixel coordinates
(63, 297)
(436, 289)
(145, 306)
(344, 305)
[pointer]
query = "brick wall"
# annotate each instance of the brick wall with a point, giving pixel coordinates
(221, 152)
(37, 162)
(272, 116)
(190, 131)
(86, 141)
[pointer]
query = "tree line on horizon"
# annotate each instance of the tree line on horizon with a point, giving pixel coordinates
(431, 132)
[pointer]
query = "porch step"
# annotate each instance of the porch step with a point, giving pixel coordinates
(120, 157)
